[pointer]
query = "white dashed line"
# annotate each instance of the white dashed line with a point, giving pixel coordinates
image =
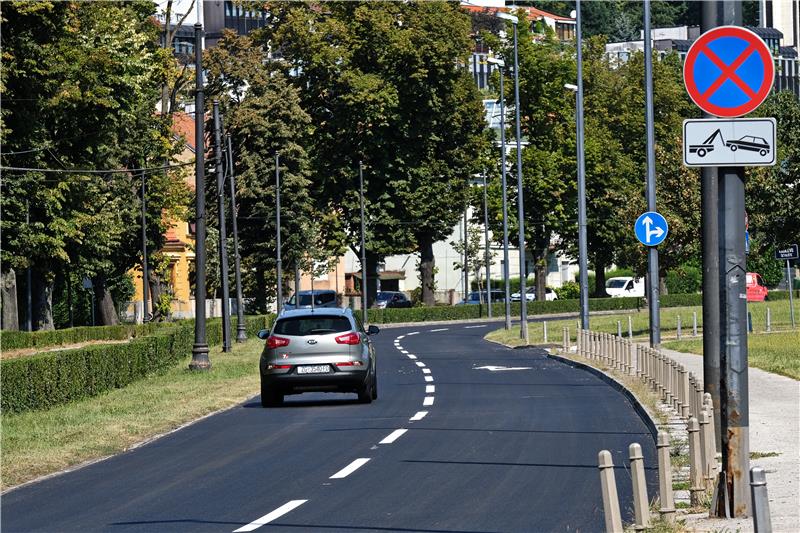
(419, 416)
(393, 436)
(420, 364)
(426, 370)
(267, 518)
(472, 327)
(429, 389)
(428, 400)
(411, 356)
(404, 351)
(412, 333)
(428, 378)
(400, 337)
(440, 329)
(349, 469)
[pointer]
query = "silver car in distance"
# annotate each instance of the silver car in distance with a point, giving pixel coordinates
(317, 350)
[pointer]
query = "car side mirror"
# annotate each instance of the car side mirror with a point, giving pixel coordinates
(373, 330)
(263, 334)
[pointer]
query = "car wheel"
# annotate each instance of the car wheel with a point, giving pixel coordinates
(762, 153)
(365, 392)
(269, 397)
(734, 148)
(701, 152)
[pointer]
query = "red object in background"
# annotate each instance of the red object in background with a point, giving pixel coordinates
(756, 288)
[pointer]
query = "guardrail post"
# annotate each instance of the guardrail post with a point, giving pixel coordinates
(694, 324)
(679, 327)
(665, 496)
(696, 487)
(608, 485)
(640, 502)
(762, 523)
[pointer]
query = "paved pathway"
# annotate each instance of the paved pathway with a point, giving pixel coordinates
(774, 427)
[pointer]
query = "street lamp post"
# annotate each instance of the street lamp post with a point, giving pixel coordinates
(200, 359)
(487, 253)
(223, 248)
(144, 252)
(278, 260)
(241, 335)
(501, 64)
(363, 246)
(523, 307)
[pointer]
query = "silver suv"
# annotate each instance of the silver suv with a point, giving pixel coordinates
(317, 350)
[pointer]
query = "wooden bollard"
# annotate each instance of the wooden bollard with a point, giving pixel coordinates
(709, 445)
(608, 486)
(687, 395)
(706, 459)
(696, 481)
(641, 505)
(665, 496)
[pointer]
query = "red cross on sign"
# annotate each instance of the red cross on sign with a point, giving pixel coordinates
(728, 71)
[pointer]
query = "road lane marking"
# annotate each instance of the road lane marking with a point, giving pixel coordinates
(349, 469)
(426, 370)
(428, 400)
(473, 327)
(492, 368)
(420, 364)
(419, 416)
(440, 329)
(400, 337)
(412, 333)
(430, 389)
(393, 436)
(411, 356)
(428, 378)
(267, 518)
(404, 351)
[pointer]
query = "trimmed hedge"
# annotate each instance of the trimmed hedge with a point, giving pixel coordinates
(49, 379)
(15, 340)
(782, 295)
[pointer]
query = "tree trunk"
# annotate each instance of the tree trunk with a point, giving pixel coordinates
(540, 270)
(600, 278)
(8, 290)
(427, 264)
(156, 290)
(371, 278)
(662, 285)
(42, 302)
(105, 313)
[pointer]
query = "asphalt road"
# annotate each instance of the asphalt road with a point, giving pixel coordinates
(484, 450)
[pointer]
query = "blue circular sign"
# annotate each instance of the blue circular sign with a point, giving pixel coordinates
(651, 228)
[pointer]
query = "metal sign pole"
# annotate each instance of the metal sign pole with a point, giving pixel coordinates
(652, 251)
(790, 284)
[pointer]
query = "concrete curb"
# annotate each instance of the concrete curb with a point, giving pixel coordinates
(637, 405)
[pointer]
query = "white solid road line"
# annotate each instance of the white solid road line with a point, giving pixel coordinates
(349, 469)
(440, 329)
(429, 389)
(419, 416)
(412, 333)
(429, 378)
(420, 364)
(426, 370)
(472, 327)
(393, 436)
(428, 400)
(267, 518)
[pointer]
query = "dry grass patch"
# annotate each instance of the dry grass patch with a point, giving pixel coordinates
(42, 442)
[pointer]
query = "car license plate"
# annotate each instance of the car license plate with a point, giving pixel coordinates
(313, 369)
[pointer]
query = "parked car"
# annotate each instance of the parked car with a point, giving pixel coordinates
(625, 286)
(476, 297)
(322, 350)
(319, 298)
(392, 299)
(756, 288)
(530, 295)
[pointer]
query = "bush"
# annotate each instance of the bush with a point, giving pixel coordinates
(15, 340)
(782, 295)
(681, 300)
(684, 280)
(568, 291)
(53, 378)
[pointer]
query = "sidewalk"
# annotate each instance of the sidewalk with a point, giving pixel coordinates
(774, 427)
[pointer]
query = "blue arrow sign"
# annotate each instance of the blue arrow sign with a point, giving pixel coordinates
(651, 228)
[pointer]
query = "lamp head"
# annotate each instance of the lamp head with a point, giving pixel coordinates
(571, 87)
(506, 16)
(495, 61)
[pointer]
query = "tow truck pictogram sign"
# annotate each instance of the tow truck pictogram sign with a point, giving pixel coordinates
(737, 142)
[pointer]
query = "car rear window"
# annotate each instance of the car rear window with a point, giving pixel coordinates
(311, 325)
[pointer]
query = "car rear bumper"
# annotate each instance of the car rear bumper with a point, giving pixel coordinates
(337, 381)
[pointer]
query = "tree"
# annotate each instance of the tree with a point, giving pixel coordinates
(469, 252)
(83, 81)
(385, 76)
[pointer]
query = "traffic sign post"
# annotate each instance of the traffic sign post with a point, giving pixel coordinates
(728, 73)
(789, 254)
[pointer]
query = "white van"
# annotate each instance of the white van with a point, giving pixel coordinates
(625, 286)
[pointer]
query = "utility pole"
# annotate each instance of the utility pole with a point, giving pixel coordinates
(278, 259)
(583, 251)
(29, 279)
(223, 247)
(144, 253)
(363, 246)
(241, 334)
(487, 254)
(652, 251)
(466, 253)
(200, 359)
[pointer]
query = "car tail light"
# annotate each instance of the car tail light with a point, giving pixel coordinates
(349, 338)
(350, 363)
(276, 342)
(278, 367)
